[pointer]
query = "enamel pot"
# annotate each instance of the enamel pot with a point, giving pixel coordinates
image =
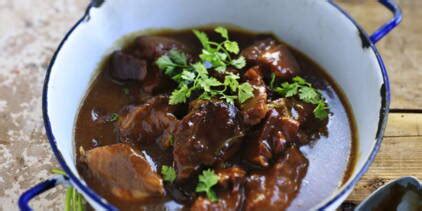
(318, 28)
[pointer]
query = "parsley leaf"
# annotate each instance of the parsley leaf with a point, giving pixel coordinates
(113, 117)
(306, 93)
(205, 182)
(168, 172)
(309, 95)
(180, 95)
(231, 47)
(195, 78)
(239, 63)
(245, 92)
(222, 31)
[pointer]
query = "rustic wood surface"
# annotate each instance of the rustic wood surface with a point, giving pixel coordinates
(31, 30)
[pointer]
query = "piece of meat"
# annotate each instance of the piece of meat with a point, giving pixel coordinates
(127, 67)
(206, 135)
(230, 191)
(151, 47)
(274, 188)
(146, 123)
(254, 109)
(156, 82)
(274, 56)
(126, 173)
(268, 141)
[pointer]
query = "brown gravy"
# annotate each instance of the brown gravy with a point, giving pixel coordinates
(331, 156)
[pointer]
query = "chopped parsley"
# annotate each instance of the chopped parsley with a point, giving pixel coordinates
(195, 77)
(113, 117)
(306, 93)
(205, 182)
(168, 172)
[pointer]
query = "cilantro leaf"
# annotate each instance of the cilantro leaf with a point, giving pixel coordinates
(245, 92)
(288, 90)
(168, 172)
(187, 76)
(203, 38)
(321, 111)
(113, 117)
(166, 64)
(179, 95)
(306, 93)
(205, 182)
(178, 57)
(239, 63)
(309, 95)
(195, 78)
(222, 31)
(231, 46)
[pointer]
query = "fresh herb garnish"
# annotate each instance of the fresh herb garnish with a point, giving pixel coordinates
(74, 200)
(205, 182)
(306, 93)
(168, 172)
(113, 117)
(195, 77)
(126, 91)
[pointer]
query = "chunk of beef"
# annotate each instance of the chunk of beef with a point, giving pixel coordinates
(274, 188)
(127, 67)
(157, 82)
(146, 123)
(268, 141)
(206, 135)
(151, 47)
(304, 126)
(254, 109)
(126, 173)
(230, 191)
(274, 56)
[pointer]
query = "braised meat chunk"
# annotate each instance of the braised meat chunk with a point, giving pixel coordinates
(127, 67)
(207, 134)
(152, 47)
(274, 188)
(125, 172)
(255, 108)
(274, 56)
(230, 191)
(146, 123)
(268, 141)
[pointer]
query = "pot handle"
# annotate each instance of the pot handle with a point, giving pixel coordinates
(387, 27)
(38, 189)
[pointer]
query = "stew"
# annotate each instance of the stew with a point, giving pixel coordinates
(213, 119)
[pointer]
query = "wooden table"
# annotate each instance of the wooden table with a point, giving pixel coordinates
(401, 150)
(31, 30)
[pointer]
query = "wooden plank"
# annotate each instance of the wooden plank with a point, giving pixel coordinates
(398, 157)
(404, 125)
(401, 49)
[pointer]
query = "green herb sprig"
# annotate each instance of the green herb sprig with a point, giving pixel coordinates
(306, 93)
(205, 182)
(169, 173)
(74, 201)
(195, 77)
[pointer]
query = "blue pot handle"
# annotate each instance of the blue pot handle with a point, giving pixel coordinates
(387, 27)
(38, 189)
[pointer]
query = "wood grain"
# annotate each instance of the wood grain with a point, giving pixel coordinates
(404, 125)
(398, 157)
(401, 49)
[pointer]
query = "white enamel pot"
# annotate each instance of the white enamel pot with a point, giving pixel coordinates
(318, 28)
